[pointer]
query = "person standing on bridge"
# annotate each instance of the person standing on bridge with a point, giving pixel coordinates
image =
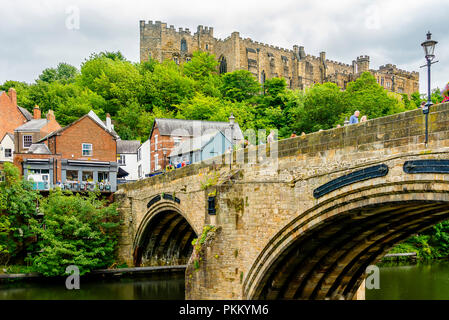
(355, 117)
(271, 137)
(445, 93)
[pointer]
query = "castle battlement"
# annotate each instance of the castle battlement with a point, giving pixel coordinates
(162, 42)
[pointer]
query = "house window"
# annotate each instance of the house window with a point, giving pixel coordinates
(139, 170)
(88, 176)
(87, 149)
(38, 171)
(8, 153)
(71, 175)
(156, 162)
(139, 154)
(155, 143)
(27, 141)
(177, 141)
(122, 160)
(382, 82)
(103, 176)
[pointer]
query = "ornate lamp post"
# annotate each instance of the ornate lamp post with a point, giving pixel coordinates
(429, 49)
(231, 124)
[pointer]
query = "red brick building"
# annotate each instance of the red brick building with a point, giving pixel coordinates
(11, 115)
(34, 130)
(80, 156)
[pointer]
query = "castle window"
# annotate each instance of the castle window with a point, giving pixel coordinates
(262, 77)
(223, 66)
(207, 46)
(183, 45)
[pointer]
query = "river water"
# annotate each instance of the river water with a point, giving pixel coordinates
(397, 282)
(422, 281)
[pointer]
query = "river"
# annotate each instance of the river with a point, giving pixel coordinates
(422, 281)
(397, 282)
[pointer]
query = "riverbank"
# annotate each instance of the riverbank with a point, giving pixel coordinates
(101, 273)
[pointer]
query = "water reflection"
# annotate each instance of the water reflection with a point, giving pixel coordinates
(422, 281)
(155, 287)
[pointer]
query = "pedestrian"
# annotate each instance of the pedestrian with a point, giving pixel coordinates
(423, 104)
(445, 93)
(355, 117)
(271, 137)
(363, 119)
(293, 134)
(338, 126)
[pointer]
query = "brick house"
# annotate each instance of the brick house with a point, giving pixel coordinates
(166, 134)
(81, 156)
(34, 130)
(11, 115)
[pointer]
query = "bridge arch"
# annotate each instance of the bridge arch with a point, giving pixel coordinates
(164, 236)
(340, 236)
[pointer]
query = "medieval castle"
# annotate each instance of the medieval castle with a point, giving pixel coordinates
(265, 61)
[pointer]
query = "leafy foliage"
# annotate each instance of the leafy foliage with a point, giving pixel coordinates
(17, 207)
(75, 230)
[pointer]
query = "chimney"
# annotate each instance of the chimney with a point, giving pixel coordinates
(13, 96)
(36, 112)
(108, 122)
(50, 115)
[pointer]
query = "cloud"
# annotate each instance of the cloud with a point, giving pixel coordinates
(388, 31)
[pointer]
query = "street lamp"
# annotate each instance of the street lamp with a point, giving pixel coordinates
(231, 124)
(164, 151)
(429, 49)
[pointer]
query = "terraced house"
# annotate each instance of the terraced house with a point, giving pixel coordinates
(79, 157)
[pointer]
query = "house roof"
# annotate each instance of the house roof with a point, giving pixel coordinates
(194, 144)
(33, 125)
(92, 116)
(189, 128)
(39, 148)
(127, 146)
(9, 135)
(26, 113)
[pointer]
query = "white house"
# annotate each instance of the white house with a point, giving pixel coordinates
(127, 158)
(7, 148)
(144, 160)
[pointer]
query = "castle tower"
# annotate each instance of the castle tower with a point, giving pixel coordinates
(362, 64)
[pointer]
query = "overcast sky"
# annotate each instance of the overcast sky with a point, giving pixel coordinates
(37, 34)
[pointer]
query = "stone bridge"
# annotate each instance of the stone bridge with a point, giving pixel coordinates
(299, 219)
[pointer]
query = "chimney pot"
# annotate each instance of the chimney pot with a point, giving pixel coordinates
(36, 112)
(13, 96)
(50, 115)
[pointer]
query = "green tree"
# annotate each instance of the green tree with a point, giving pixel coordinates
(202, 65)
(63, 72)
(367, 96)
(17, 207)
(79, 230)
(239, 85)
(323, 106)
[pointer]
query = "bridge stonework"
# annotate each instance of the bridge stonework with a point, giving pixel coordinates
(277, 239)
